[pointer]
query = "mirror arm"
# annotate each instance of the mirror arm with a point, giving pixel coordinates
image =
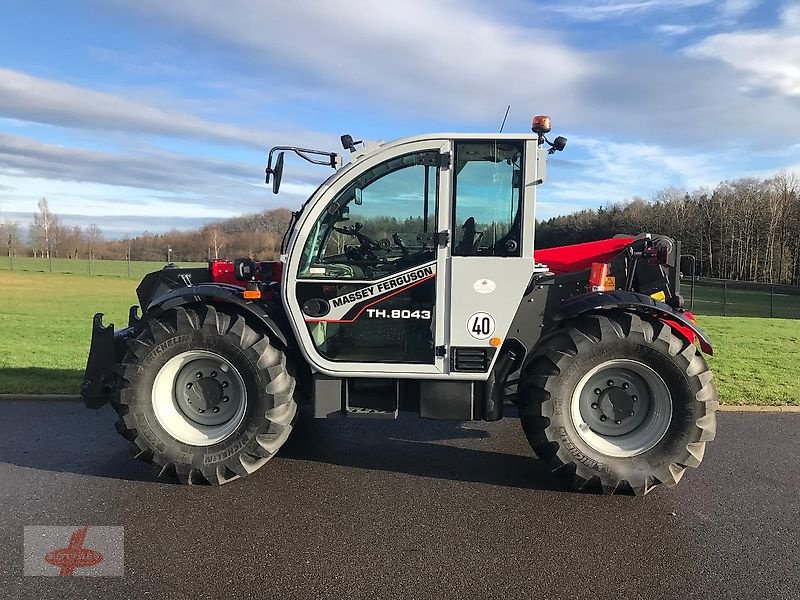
(303, 153)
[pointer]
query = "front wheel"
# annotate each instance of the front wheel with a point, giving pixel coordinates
(204, 396)
(618, 403)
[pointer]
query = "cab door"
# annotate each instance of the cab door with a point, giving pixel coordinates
(366, 292)
(491, 256)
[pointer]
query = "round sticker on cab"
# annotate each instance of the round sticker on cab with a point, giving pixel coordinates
(484, 286)
(481, 325)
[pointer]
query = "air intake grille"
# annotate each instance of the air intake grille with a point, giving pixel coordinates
(471, 360)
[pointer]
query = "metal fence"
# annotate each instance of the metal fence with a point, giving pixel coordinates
(131, 269)
(742, 298)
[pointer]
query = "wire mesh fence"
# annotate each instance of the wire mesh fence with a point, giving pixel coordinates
(742, 298)
(133, 269)
(708, 297)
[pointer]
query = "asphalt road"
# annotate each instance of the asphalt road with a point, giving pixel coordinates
(403, 509)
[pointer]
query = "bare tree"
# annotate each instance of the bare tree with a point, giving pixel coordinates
(9, 234)
(94, 236)
(216, 240)
(42, 228)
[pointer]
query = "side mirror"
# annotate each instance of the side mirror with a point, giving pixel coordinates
(560, 143)
(358, 197)
(277, 173)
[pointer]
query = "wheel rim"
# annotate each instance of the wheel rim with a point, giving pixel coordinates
(199, 398)
(621, 408)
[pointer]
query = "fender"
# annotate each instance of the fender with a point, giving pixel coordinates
(108, 345)
(271, 317)
(627, 300)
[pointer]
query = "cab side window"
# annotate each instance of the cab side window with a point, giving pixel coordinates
(379, 225)
(488, 196)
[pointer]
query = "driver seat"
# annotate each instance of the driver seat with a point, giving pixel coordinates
(466, 247)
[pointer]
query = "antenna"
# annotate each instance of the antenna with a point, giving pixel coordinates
(508, 108)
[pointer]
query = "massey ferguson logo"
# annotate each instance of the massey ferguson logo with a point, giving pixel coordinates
(348, 307)
(384, 285)
(186, 278)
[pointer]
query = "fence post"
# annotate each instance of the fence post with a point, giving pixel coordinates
(772, 301)
(724, 298)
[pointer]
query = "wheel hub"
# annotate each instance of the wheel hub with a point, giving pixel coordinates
(616, 404)
(621, 407)
(199, 397)
(205, 394)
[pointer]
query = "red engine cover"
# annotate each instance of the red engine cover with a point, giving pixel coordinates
(577, 257)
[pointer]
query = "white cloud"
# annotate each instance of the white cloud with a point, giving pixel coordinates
(456, 62)
(33, 99)
(602, 10)
(675, 30)
(613, 171)
(768, 58)
(737, 8)
(444, 58)
(153, 182)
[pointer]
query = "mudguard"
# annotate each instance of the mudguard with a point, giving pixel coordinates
(628, 300)
(222, 294)
(109, 345)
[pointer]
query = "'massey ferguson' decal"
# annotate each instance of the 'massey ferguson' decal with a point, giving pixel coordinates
(348, 307)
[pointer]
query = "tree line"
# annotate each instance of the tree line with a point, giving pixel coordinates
(747, 229)
(258, 235)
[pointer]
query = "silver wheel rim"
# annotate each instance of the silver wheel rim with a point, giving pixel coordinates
(199, 398)
(621, 408)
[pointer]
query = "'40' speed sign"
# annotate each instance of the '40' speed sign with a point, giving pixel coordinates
(480, 325)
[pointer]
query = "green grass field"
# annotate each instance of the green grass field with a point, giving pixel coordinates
(107, 268)
(45, 328)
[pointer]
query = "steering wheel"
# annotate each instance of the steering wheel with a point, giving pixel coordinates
(367, 244)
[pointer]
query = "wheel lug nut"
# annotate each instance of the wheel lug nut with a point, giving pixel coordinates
(603, 417)
(594, 405)
(216, 409)
(189, 385)
(610, 383)
(625, 386)
(630, 413)
(225, 398)
(618, 422)
(201, 410)
(213, 373)
(597, 391)
(634, 398)
(199, 375)
(224, 384)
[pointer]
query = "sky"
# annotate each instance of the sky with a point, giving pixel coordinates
(151, 114)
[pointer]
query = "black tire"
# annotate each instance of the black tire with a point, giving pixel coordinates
(549, 387)
(268, 386)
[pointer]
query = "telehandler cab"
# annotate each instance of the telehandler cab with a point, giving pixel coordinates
(408, 281)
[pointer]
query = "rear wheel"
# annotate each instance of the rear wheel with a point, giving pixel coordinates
(618, 403)
(204, 396)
